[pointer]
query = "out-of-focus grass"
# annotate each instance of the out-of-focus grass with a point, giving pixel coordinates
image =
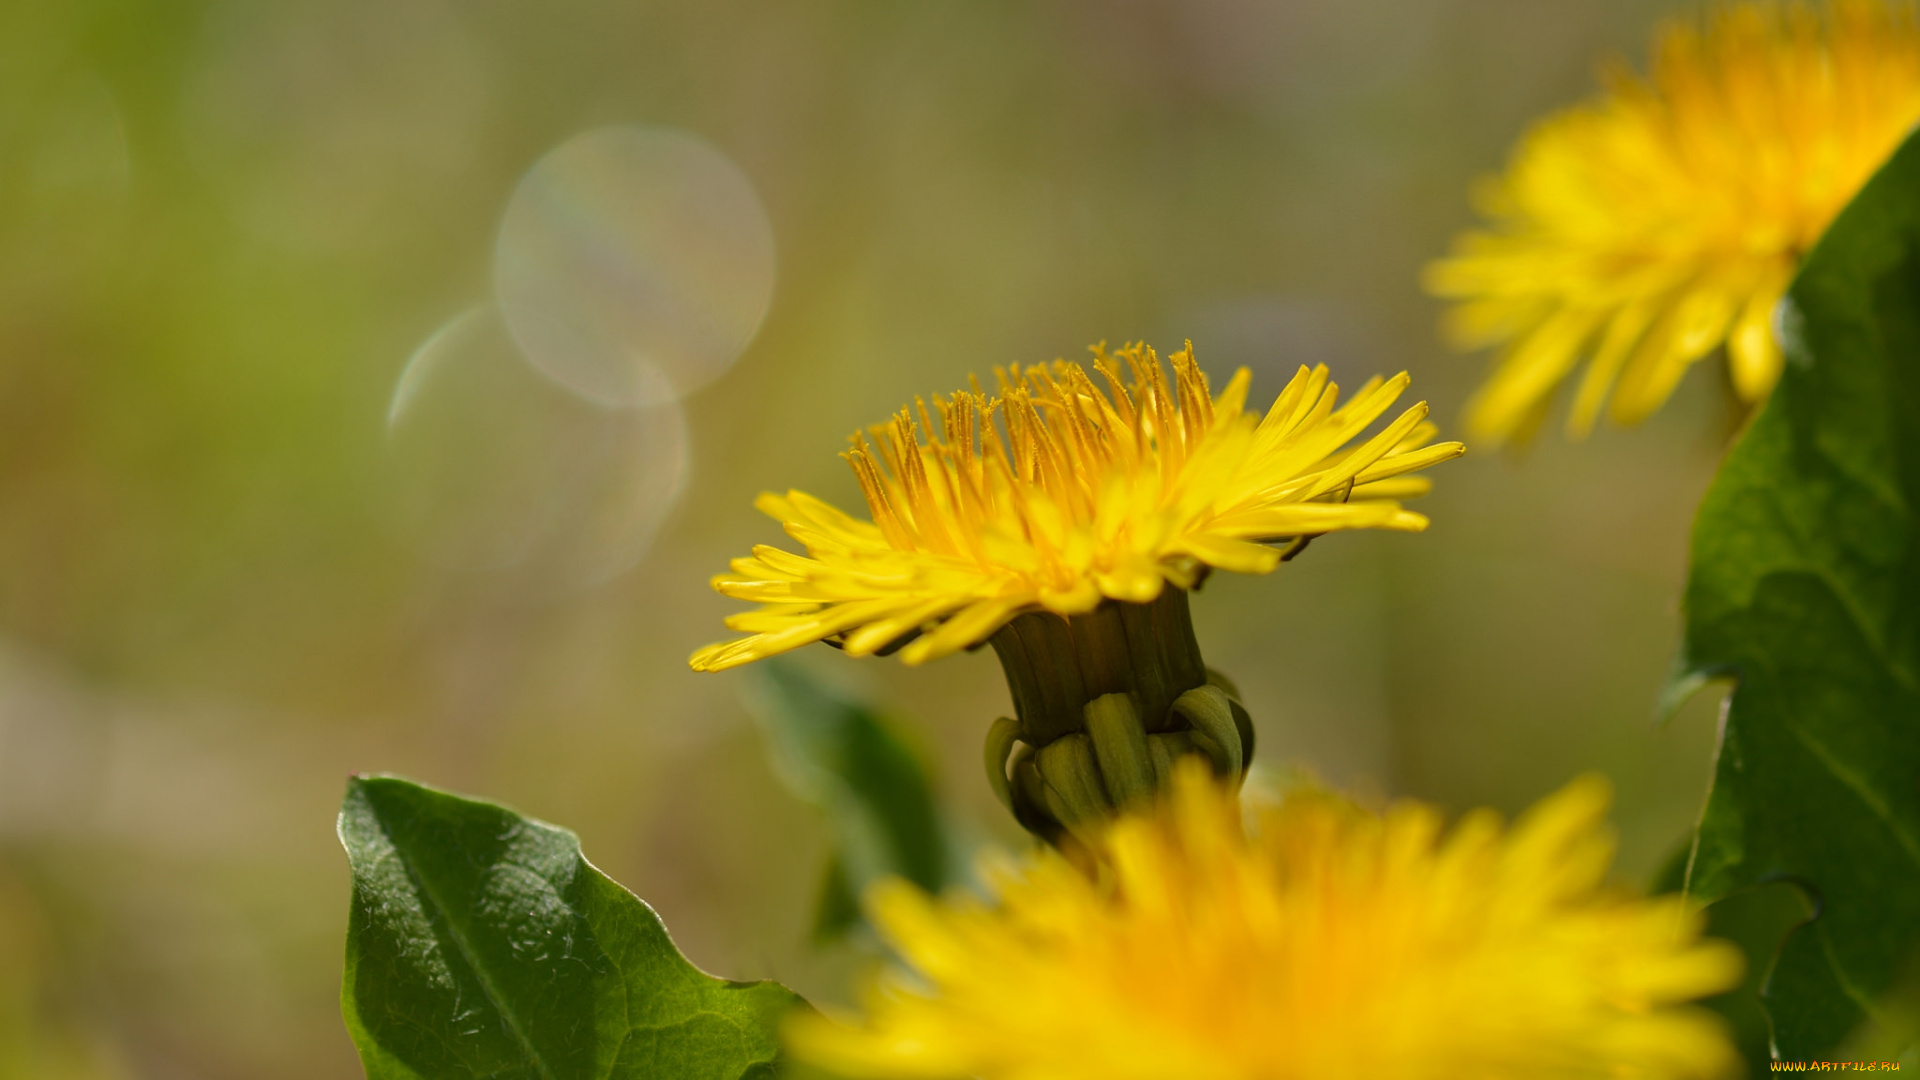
(224, 227)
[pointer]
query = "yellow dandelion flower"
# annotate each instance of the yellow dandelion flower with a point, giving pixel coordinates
(1334, 943)
(1645, 228)
(1056, 495)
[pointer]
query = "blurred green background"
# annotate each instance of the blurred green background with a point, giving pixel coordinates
(232, 570)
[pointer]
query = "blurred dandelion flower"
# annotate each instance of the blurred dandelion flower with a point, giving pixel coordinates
(1334, 943)
(1056, 495)
(1665, 218)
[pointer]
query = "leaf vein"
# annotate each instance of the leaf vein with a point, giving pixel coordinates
(1860, 788)
(472, 958)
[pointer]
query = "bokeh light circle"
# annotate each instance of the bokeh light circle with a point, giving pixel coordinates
(500, 470)
(633, 262)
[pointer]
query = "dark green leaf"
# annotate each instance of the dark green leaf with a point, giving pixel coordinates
(1893, 1032)
(1757, 920)
(879, 805)
(482, 944)
(838, 909)
(1805, 586)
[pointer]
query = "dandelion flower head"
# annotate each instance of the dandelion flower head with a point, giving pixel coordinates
(1334, 943)
(1664, 219)
(1057, 494)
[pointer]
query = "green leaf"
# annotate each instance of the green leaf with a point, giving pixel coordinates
(882, 818)
(1757, 920)
(838, 908)
(1805, 586)
(482, 944)
(1893, 1033)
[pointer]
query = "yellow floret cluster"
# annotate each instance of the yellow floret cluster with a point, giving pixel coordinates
(1644, 229)
(1332, 943)
(1058, 494)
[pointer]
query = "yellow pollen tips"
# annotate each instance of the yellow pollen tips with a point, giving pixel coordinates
(1329, 943)
(1648, 227)
(1059, 492)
